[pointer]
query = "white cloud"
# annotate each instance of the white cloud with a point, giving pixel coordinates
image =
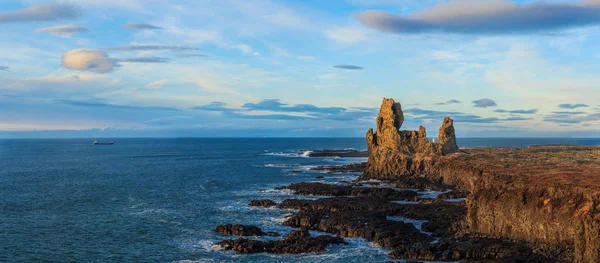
(63, 31)
(88, 60)
(157, 84)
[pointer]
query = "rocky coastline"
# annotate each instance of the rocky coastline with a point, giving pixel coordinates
(432, 201)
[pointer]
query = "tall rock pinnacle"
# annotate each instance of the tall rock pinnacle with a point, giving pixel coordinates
(391, 150)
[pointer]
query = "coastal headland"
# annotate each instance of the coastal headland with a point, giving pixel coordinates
(425, 200)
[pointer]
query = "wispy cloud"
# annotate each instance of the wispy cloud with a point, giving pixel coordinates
(43, 12)
(192, 55)
(572, 106)
(4, 68)
(484, 103)
(145, 60)
(452, 101)
(350, 67)
(532, 111)
(486, 17)
(141, 26)
(273, 109)
(98, 104)
(151, 47)
(277, 105)
(63, 30)
(457, 116)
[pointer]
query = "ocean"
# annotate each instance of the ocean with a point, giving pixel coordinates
(157, 200)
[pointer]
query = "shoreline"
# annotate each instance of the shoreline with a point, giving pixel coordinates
(386, 205)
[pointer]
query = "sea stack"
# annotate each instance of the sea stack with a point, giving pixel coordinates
(394, 152)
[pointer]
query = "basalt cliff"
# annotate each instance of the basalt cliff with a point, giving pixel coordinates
(545, 195)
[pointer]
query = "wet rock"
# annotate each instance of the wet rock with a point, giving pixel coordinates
(321, 189)
(264, 203)
(297, 242)
(485, 249)
(348, 168)
(454, 194)
(443, 218)
(338, 153)
(240, 230)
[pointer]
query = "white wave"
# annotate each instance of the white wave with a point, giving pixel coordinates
(454, 200)
(289, 154)
(417, 223)
(280, 165)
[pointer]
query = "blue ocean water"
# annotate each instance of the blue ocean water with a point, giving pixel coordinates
(157, 200)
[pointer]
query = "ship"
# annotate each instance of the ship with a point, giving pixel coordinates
(103, 143)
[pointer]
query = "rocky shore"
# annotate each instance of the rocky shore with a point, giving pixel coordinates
(423, 200)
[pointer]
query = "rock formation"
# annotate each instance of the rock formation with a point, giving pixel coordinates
(393, 152)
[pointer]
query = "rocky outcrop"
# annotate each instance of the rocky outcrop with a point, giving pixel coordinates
(395, 153)
(321, 189)
(242, 230)
(296, 242)
(446, 137)
(263, 203)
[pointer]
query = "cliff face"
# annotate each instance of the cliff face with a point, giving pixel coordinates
(548, 195)
(398, 153)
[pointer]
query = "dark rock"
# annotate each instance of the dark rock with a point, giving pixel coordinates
(348, 168)
(264, 202)
(338, 153)
(319, 177)
(297, 242)
(454, 194)
(485, 249)
(321, 189)
(240, 230)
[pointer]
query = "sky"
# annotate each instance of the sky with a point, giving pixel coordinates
(263, 68)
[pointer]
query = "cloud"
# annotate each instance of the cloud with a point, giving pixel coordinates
(97, 104)
(284, 111)
(145, 60)
(572, 106)
(571, 117)
(42, 12)
(486, 17)
(457, 116)
(88, 60)
(151, 47)
(214, 106)
(4, 68)
(157, 84)
(141, 26)
(452, 101)
(350, 67)
(278, 106)
(484, 103)
(63, 31)
(532, 111)
(569, 112)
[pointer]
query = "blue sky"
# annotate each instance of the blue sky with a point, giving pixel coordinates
(146, 68)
